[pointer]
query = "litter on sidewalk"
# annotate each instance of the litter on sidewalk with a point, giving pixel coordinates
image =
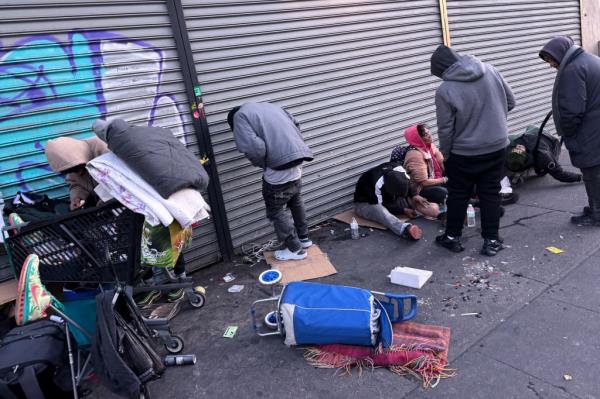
(555, 250)
(230, 331)
(235, 288)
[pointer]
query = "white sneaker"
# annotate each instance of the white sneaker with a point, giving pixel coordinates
(286, 254)
(306, 242)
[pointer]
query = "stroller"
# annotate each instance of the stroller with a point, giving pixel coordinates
(312, 313)
(96, 246)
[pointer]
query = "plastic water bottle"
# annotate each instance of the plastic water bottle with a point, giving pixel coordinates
(470, 216)
(1, 217)
(354, 229)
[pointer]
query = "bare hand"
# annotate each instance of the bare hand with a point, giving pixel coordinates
(418, 200)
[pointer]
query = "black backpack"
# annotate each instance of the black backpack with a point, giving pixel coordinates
(34, 362)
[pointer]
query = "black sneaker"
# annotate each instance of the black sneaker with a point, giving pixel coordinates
(453, 244)
(491, 247)
(507, 199)
(585, 220)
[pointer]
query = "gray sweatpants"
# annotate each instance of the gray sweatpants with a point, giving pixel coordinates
(378, 213)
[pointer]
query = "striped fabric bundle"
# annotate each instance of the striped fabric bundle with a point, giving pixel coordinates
(419, 350)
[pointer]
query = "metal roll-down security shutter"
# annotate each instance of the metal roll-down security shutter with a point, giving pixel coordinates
(355, 74)
(64, 64)
(509, 34)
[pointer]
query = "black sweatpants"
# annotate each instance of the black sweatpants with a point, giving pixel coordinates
(482, 173)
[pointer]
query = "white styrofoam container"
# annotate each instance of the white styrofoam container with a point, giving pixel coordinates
(409, 277)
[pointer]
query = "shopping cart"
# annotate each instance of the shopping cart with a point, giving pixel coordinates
(98, 246)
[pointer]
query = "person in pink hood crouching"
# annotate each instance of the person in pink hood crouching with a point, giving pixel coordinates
(425, 164)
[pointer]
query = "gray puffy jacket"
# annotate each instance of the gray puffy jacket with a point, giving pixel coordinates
(269, 137)
(157, 156)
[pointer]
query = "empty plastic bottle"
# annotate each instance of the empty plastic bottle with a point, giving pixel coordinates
(470, 216)
(354, 229)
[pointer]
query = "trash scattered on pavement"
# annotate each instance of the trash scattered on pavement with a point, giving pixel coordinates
(230, 331)
(555, 250)
(235, 288)
(229, 277)
(568, 377)
(471, 314)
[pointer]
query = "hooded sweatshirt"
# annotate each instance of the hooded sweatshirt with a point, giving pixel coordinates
(576, 100)
(65, 153)
(472, 105)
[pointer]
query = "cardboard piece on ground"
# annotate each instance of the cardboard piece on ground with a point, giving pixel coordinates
(346, 217)
(315, 265)
(8, 291)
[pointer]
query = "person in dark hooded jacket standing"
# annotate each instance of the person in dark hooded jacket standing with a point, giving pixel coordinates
(472, 105)
(576, 113)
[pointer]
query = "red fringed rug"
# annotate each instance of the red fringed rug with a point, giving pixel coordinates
(419, 350)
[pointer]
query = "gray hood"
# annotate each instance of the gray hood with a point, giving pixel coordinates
(466, 69)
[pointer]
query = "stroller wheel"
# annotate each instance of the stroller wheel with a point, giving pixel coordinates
(196, 299)
(271, 320)
(270, 277)
(175, 345)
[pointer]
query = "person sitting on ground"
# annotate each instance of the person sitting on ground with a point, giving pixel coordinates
(521, 156)
(424, 163)
(270, 138)
(385, 190)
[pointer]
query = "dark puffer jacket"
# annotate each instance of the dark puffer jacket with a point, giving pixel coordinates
(157, 156)
(576, 100)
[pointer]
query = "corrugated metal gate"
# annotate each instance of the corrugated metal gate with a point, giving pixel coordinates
(355, 73)
(64, 64)
(509, 34)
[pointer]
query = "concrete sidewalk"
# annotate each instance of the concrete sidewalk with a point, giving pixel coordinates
(539, 313)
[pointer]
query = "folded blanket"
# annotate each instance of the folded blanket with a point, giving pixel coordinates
(116, 180)
(419, 350)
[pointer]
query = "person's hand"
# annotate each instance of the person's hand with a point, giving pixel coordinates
(411, 213)
(418, 200)
(76, 203)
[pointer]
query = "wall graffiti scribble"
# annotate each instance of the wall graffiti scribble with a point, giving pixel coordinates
(51, 88)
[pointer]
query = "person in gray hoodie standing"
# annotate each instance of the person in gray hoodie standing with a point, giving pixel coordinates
(270, 138)
(472, 105)
(576, 113)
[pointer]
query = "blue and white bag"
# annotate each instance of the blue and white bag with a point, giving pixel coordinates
(331, 314)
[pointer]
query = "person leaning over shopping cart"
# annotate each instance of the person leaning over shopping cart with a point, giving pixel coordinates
(68, 156)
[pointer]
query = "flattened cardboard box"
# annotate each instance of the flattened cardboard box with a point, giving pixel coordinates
(315, 265)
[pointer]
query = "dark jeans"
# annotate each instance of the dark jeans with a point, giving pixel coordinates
(436, 194)
(481, 173)
(591, 179)
(287, 228)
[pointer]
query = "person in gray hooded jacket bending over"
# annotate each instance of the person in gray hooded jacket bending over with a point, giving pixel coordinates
(471, 104)
(270, 138)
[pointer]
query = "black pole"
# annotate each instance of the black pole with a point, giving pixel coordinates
(194, 94)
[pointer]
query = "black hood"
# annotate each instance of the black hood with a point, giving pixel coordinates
(557, 48)
(443, 57)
